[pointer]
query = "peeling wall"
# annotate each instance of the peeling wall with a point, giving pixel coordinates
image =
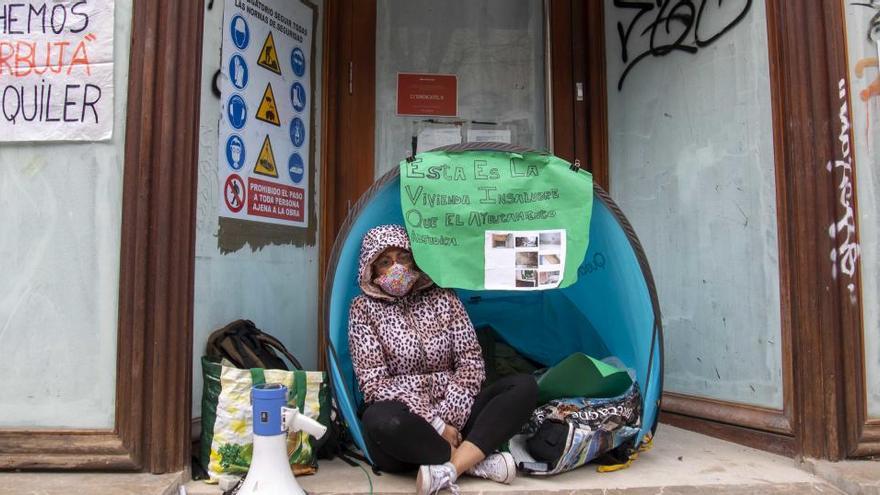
(496, 47)
(265, 279)
(60, 208)
(862, 21)
(692, 166)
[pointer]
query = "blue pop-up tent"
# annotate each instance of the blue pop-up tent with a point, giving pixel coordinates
(612, 310)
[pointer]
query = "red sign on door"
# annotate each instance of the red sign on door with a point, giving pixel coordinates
(434, 95)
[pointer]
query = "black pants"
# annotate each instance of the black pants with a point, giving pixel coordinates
(399, 440)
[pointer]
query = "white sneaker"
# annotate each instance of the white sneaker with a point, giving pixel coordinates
(498, 467)
(432, 479)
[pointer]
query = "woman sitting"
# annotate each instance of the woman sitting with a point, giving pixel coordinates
(418, 363)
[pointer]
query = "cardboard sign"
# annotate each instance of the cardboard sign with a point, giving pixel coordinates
(427, 95)
(496, 220)
(56, 70)
(266, 124)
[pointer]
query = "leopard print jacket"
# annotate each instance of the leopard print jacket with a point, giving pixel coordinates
(420, 349)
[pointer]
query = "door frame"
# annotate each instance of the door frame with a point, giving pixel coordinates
(824, 412)
(157, 259)
(349, 79)
(821, 323)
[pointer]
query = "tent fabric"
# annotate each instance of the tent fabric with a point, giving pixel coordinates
(612, 310)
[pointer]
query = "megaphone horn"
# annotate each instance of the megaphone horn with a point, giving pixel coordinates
(270, 472)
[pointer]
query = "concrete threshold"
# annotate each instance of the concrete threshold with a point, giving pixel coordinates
(852, 477)
(43, 483)
(682, 462)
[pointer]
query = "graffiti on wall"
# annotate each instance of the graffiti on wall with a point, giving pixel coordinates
(845, 254)
(873, 88)
(874, 23)
(671, 26)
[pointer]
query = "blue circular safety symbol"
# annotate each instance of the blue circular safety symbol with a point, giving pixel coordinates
(295, 168)
(297, 132)
(236, 111)
(241, 33)
(298, 96)
(235, 154)
(298, 62)
(238, 71)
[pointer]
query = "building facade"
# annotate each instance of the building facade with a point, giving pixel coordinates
(740, 138)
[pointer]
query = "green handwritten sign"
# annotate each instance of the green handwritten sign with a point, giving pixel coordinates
(496, 220)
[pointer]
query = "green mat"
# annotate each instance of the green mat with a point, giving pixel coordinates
(580, 375)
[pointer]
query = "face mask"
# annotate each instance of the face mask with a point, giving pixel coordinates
(398, 280)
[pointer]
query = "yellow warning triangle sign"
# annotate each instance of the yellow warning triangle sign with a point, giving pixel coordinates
(268, 111)
(266, 161)
(269, 55)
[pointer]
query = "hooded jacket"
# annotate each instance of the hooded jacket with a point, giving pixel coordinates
(419, 349)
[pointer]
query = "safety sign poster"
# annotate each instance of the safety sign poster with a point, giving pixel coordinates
(56, 70)
(266, 116)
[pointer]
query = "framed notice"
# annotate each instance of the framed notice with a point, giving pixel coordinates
(427, 95)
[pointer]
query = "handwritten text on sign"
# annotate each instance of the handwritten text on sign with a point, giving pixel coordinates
(530, 209)
(56, 68)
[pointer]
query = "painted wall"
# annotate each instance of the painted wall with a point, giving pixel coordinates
(275, 285)
(692, 167)
(58, 306)
(496, 47)
(863, 40)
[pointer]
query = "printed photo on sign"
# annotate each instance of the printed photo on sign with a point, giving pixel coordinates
(298, 62)
(527, 259)
(238, 71)
(527, 241)
(549, 259)
(235, 154)
(502, 241)
(236, 112)
(549, 278)
(526, 278)
(298, 96)
(241, 33)
(549, 239)
(524, 260)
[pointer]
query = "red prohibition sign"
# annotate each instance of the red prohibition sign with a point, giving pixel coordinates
(233, 193)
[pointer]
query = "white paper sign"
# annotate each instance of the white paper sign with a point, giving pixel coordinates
(56, 70)
(524, 259)
(488, 135)
(266, 125)
(435, 137)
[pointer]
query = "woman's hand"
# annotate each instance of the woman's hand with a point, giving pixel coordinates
(452, 436)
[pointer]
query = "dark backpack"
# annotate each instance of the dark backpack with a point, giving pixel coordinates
(246, 346)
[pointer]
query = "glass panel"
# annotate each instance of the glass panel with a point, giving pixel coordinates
(863, 40)
(692, 166)
(58, 306)
(495, 47)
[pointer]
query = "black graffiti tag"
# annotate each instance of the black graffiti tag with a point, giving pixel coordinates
(874, 24)
(671, 26)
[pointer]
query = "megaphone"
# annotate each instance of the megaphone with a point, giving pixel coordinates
(270, 472)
